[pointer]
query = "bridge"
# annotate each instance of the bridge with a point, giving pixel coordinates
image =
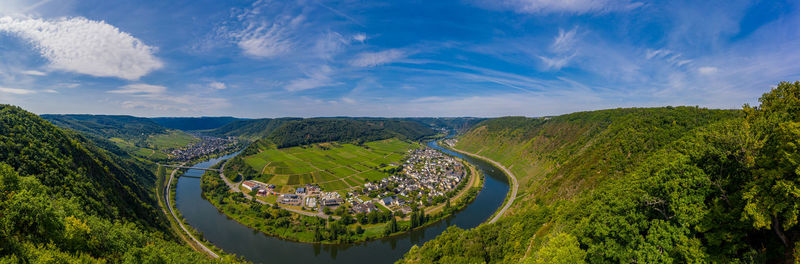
(194, 168)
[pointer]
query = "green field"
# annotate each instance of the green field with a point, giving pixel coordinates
(333, 166)
(173, 139)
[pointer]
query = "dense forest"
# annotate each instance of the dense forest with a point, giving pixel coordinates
(249, 129)
(66, 200)
(657, 185)
(307, 131)
(194, 123)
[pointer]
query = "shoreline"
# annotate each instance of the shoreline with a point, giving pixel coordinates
(512, 195)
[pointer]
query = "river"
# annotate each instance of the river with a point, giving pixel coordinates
(257, 247)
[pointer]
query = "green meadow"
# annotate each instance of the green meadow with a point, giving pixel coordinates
(334, 166)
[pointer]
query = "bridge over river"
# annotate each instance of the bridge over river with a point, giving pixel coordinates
(187, 167)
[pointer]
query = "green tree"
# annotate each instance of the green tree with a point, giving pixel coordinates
(559, 248)
(773, 193)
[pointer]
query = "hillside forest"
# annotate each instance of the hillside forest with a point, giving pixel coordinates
(654, 185)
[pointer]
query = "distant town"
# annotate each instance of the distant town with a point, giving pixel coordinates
(207, 146)
(427, 177)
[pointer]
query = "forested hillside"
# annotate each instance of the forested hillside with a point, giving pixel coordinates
(315, 130)
(65, 200)
(135, 129)
(658, 185)
(249, 129)
(193, 123)
(137, 136)
(459, 124)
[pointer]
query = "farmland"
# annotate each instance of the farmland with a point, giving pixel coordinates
(333, 166)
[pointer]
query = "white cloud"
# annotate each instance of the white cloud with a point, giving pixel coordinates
(265, 40)
(266, 29)
(708, 70)
(86, 46)
(556, 63)
(34, 73)
(140, 89)
(560, 6)
(218, 85)
(16, 91)
(330, 44)
(361, 37)
(50, 91)
(650, 53)
(672, 57)
(371, 59)
(320, 77)
(564, 41)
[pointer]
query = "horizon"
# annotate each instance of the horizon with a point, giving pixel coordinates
(387, 117)
(470, 58)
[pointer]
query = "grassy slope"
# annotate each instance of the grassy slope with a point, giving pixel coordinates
(557, 159)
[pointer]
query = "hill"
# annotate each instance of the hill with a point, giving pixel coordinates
(249, 129)
(135, 129)
(66, 200)
(135, 135)
(458, 124)
(656, 185)
(307, 131)
(193, 123)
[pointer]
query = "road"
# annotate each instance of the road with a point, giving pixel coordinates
(514, 184)
(235, 187)
(180, 223)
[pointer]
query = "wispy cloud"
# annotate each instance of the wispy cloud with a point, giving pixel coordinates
(360, 37)
(560, 6)
(265, 29)
(140, 89)
(564, 41)
(16, 91)
(707, 70)
(372, 59)
(562, 50)
(672, 57)
(86, 46)
(556, 63)
(218, 85)
(319, 77)
(34, 73)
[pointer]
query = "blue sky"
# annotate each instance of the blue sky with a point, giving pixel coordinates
(395, 58)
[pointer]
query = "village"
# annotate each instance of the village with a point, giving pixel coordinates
(207, 146)
(428, 177)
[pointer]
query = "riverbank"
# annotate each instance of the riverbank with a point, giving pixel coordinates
(514, 185)
(190, 235)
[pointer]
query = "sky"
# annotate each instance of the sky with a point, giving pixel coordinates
(481, 58)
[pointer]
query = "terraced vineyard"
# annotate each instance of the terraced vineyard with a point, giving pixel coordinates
(333, 166)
